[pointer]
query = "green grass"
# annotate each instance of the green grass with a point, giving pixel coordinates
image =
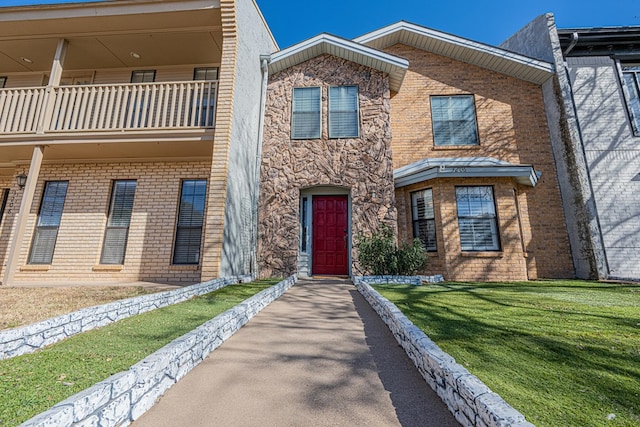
(31, 384)
(564, 353)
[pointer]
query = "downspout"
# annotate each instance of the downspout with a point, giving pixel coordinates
(264, 66)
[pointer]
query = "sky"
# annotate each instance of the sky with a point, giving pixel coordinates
(488, 21)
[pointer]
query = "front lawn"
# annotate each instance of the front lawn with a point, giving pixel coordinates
(564, 353)
(32, 383)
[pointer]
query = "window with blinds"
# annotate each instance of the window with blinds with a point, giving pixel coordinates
(4, 197)
(305, 114)
(343, 112)
(454, 120)
(190, 219)
(477, 219)
(631, 79)
(424, 223)
(205, 73)
(143, 76)
(118, 222)
(46, 232)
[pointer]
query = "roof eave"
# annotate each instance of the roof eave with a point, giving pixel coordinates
(395, 66)
(459, 48)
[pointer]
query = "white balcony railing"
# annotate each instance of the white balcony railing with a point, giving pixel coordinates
(142, 106)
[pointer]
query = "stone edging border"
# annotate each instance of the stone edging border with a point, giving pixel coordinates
(400, 280)
(27, 339)
(124, 397)
(469, 399)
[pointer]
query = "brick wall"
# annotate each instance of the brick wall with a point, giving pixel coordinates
(512, 127)
(79, 243)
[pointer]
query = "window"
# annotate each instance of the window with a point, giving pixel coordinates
(343, 112)
(631, 78)
(4, 197)
(3, 82)
(207, 103)
(205, 73)
(46, 233)
(477, 219)
(190, 218)
(143, 76)
(424, 223)
(118, 221)
(454, 120)
(305, 120)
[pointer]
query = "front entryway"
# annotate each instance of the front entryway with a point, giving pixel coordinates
(330, 247)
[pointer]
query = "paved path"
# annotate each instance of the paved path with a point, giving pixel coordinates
(318, 356)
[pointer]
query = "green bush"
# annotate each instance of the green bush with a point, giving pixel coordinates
(379, 255)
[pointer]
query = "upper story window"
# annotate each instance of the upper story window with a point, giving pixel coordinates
(454, 120)
(205, 73)
(3, 82)
(143, 76)
(46, 233)
(343, 112)
(631, 78)
(305, 114)
(424, 223)
(477, 219)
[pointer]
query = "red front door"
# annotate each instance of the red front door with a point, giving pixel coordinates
(330, 248)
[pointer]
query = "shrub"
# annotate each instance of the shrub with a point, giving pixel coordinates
(379, 255)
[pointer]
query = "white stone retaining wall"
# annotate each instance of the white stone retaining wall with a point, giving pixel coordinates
(399, 280)
(124, 397)
(469, 400)
(27, 339)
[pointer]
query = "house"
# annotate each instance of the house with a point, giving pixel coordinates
(440, 137)
(128, 140)
(593, 110)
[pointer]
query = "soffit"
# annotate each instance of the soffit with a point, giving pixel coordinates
(106, 40)
(461, 49)
(395, 66)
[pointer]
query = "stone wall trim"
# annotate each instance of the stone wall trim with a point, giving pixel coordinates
(470, 401)
(30, 338)
(125, 396)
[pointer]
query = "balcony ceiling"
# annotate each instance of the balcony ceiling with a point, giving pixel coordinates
(106, 40)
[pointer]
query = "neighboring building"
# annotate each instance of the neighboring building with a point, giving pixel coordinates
(593, 108)
(442, 136)
(136, 126)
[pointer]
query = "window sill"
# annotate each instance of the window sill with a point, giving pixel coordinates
(35, 267)
(455, 147)
(432, 254)
(483, 254)
(184, 267)
(108, 267)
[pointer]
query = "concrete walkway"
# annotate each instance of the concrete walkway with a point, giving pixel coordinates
(318, 356)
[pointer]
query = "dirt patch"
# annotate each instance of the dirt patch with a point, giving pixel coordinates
(22, 306)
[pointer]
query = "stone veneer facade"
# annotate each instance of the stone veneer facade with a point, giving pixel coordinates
(512, 127)
(362, 166)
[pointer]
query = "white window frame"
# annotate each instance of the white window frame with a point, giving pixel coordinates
(314, 131)
(423, 218)
(478, 220)
(338, 111)
(453, 137)
(631, 94)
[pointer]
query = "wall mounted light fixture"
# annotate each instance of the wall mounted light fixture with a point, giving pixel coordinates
(21, 180)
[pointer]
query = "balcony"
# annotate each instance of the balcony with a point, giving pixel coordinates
(108, 108)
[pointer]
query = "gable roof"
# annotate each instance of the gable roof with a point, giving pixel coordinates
(464, 167)
(324, 43)
(461, 49)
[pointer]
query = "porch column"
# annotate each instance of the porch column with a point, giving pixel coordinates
(23, 215)
(54, 80)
